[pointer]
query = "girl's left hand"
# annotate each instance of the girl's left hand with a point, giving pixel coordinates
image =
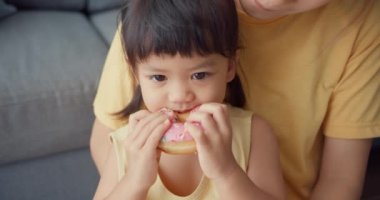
(213, 140)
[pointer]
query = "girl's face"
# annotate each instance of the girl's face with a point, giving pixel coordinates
(182, 83)
(268, 9)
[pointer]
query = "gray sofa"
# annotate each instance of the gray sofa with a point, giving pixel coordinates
(51, 57)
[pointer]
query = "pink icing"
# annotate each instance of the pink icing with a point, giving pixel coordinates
(176, 132)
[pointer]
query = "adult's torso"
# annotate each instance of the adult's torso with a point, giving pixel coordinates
(290, 67)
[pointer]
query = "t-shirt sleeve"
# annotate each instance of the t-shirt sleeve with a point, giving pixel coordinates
(115, 86)
(354, 110)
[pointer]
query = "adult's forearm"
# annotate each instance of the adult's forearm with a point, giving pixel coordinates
(99, 144)
(343, 168)
(336, 190)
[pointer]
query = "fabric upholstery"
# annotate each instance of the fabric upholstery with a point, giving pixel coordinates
(50, 64)
(6, 9)
(106, 23)
(65, 176)
(51, 57)
(97, 5)
(50, 4)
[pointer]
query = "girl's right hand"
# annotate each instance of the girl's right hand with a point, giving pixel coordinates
(146, 130)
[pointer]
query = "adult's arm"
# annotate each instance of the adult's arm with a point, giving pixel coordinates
(113, 94)
(353, 114)
(343, 168)
(100, 144)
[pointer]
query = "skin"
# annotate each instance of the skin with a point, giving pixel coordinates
(270, 9)
(180, 84)
(164, 83)
(100, 144)
(334, 182)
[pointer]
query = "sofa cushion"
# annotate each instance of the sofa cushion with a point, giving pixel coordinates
(65, 176)
(49, 4)
(106, 23)
(98, 5)
(6, 9)
(50, 64)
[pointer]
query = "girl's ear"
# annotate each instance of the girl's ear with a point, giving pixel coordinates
(231, 71)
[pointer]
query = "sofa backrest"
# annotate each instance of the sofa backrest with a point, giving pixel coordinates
(6, 9)
(83, 5)
(49, 4)
(98, 5)
(51, 55)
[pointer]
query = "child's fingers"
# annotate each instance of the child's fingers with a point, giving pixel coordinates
(147, 128)
(206, 120)
(141, 124)
(133, 120)
(219, 112)
(136, 117)
(156, 135)
(197, 133)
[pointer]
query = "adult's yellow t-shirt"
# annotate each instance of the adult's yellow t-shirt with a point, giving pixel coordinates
(309, 75)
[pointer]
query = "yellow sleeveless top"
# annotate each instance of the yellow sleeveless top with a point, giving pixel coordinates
(241, 143)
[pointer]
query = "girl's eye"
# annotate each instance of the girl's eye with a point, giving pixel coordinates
(199, 75)
(158, 78)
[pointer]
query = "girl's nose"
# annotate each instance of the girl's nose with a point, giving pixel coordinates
(180, 93)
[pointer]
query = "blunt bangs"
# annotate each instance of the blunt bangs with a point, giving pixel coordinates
(178, 26)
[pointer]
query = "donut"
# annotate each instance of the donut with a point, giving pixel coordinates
(176, 140)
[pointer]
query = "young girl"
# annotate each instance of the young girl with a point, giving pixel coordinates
(182, 55)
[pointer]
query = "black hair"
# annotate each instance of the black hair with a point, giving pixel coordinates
(181, 27)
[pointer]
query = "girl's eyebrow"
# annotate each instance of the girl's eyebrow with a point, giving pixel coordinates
(203, 64)
(153, 68)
